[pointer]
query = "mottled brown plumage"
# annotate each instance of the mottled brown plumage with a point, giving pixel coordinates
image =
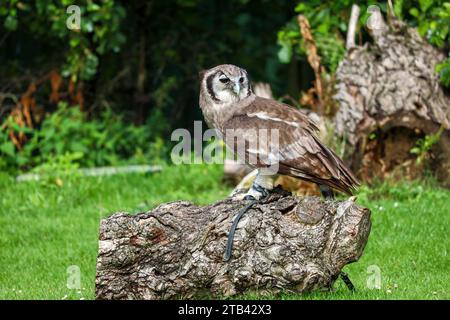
(299, 152)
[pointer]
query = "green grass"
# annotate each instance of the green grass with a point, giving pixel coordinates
(46, 227)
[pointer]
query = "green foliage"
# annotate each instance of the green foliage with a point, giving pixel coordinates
(66, 163)
(155, 73)
(328, 25)
(9, 155)
(68, 137)
(328, 20)
(423, 146)
(432, 18)
(99, 29)
(444, 71)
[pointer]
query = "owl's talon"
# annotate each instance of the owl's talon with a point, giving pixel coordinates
(256, 192)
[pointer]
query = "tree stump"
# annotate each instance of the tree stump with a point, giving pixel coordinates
(389, 97)
(175, 251)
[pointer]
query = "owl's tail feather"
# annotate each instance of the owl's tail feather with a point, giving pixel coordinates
(344, 184)
(342, 177)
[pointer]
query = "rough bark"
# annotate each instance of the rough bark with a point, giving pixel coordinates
(389, 96)
(285, 244)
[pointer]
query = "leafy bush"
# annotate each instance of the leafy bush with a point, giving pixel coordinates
(10, 157)
(67, 135)
(327, 21)
(99, 31)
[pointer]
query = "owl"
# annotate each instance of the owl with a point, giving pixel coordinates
(268, 134)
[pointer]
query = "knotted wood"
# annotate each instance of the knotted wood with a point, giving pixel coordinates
(285, 244)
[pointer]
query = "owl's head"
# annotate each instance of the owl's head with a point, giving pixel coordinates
(225, 84)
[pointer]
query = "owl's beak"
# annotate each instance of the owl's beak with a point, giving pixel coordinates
(236, 88)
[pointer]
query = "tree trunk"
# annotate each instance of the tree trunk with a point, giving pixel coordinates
(389, 97)
(285, 244)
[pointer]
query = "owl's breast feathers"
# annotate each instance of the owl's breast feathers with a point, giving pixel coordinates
(273, 130)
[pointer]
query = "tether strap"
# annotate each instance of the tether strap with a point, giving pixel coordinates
(241, 212)
(347, 281)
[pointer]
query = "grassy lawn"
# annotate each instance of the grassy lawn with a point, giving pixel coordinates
(45, 227)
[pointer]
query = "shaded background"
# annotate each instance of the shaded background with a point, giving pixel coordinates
(149, 62)
(112, 92)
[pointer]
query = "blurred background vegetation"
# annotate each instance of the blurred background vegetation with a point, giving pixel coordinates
(111, 92)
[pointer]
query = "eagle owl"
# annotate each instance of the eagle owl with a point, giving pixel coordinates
(229, 105)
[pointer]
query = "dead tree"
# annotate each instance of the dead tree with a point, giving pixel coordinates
(389, 97)
(284, 243)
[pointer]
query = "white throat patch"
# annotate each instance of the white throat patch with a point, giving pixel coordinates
(227, 97)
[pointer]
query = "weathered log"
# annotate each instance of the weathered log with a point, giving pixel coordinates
(285, 244)
(389, 96)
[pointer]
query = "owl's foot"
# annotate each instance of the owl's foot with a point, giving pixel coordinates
(261, 187)
(326, 192)
(256, 192)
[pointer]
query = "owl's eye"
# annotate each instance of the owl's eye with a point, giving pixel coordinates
(241, 79)
(224, 79)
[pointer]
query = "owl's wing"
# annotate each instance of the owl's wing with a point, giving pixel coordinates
(275, 132)
(277, 111)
